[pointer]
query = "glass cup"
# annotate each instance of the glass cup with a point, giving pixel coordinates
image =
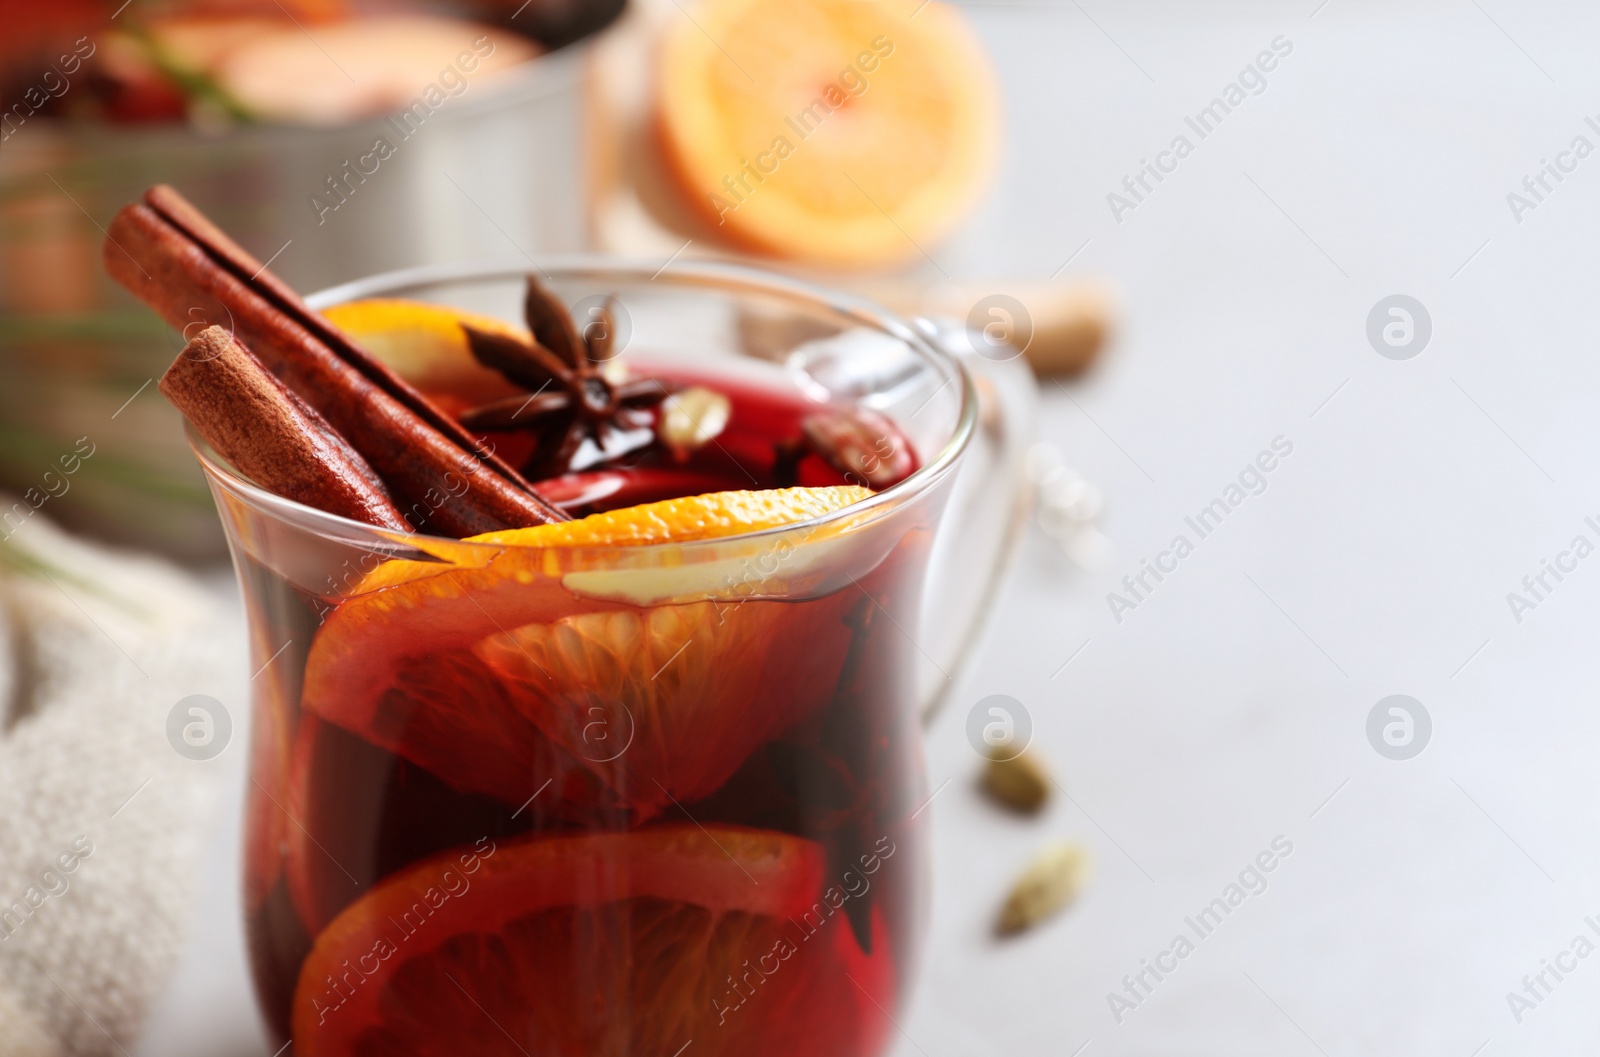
(604, 800)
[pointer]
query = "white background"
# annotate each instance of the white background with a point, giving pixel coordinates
(1232, 704)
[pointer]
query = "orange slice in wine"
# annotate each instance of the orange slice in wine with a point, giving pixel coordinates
(616, 945)
(359, 811)
(846, 132)
(660, 679)
(426, 346)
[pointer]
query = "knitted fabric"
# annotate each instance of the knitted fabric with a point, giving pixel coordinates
(100, 816)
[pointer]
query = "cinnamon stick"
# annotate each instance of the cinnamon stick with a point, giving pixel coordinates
(170, 256)
(269, 434)
(182, 214)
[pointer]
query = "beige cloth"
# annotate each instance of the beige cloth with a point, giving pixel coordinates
(96, 648)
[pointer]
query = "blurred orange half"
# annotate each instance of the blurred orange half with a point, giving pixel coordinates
(842, 132)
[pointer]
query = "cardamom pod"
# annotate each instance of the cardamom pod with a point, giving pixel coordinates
(1049, 883)
(1020, 781)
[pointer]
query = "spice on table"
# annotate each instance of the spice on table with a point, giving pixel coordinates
(1049, 883)
(1019, 780)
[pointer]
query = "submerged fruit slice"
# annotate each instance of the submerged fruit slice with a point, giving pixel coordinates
(840, 131)
(425, 344)
(612, 945)
(468, 669)
(665, 703)
(361, 812)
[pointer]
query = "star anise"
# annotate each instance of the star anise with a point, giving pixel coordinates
(580, 418)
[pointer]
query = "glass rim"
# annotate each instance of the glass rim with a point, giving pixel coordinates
(729, 276)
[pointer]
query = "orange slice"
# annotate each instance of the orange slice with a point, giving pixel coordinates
(689, 518)
(614, 945)
(426, 346)
(359, 812)
(845, 132)
(471, 669)
(665, 703)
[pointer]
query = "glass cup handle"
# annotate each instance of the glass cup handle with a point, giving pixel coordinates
(987, 511)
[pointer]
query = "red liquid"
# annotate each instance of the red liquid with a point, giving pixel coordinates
(541, 844)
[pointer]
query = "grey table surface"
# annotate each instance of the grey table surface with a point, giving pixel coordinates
(1228, 706)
